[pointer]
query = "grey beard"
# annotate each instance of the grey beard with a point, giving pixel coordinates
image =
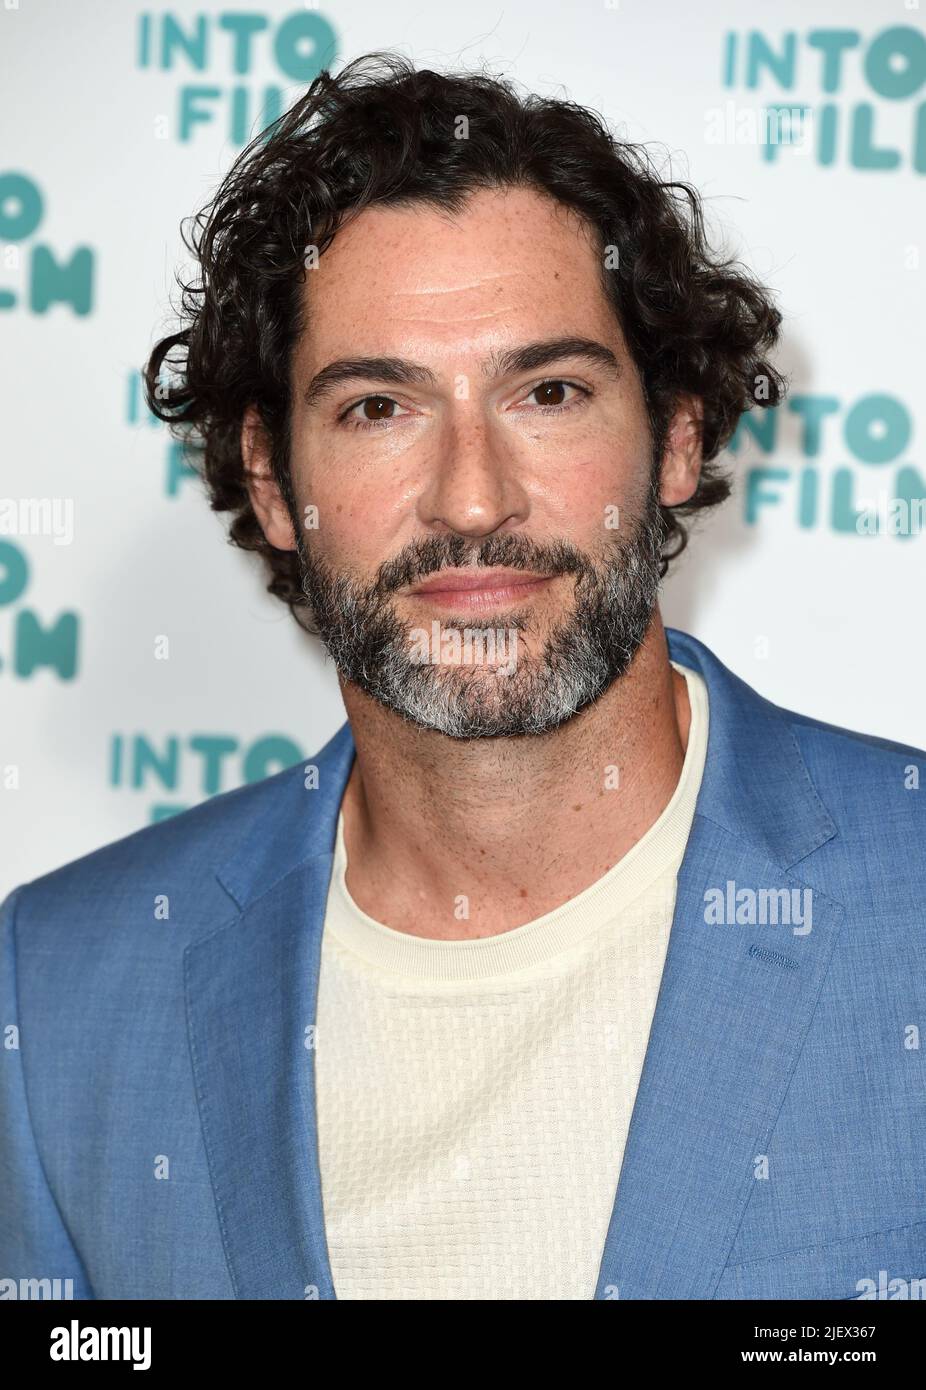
(583, 656)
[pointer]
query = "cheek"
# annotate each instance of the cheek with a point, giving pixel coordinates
(583, 499)
(355, 528)
(342, 510)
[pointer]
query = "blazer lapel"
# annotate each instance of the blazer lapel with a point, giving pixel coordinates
(731, 1016)
(734, 1004)
(251, 997)
(251, 990)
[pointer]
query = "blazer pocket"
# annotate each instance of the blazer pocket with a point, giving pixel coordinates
(888, 1264)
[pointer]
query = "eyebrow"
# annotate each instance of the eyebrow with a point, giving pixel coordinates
(400, 371)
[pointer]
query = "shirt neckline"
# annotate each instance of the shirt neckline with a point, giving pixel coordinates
(661, 847)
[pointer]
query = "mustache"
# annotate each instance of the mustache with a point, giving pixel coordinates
(512, 551)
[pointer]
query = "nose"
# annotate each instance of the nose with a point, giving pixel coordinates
(473, 486)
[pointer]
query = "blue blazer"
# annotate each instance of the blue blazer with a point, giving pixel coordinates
(157, 1098)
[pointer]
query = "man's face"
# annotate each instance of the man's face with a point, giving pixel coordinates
(477, 453)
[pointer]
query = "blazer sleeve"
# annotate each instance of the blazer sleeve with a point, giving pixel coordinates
(34, 1242)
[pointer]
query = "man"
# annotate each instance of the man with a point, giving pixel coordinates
(571, 967)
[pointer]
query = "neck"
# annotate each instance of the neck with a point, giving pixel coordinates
(507, 829)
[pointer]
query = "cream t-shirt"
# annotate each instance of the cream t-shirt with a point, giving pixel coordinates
(474, 1097)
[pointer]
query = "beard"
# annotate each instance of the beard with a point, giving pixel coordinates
(586, 652)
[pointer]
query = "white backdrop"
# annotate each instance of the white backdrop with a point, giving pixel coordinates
(120, 119)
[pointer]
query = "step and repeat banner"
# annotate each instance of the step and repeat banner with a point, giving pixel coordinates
(142, 666)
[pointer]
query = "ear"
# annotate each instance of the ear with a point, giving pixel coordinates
(681, 458)
(265, 495)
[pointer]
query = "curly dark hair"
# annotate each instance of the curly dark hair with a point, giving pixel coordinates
(383, 132)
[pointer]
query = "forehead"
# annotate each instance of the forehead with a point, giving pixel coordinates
(512, 265)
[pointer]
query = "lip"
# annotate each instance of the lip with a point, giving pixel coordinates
(480, 588)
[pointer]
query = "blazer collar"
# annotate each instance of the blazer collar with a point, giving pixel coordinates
(728, 1027)
(298, 821)
(756, 784)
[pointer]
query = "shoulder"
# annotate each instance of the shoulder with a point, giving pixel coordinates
(873, 791)
(858, 776)
(170, 864)
(194, 865)
(862, 776)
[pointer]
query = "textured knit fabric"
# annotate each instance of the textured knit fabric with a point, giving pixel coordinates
(474, 1097)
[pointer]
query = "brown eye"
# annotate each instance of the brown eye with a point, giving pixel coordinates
(378, 408)
(550, 392)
